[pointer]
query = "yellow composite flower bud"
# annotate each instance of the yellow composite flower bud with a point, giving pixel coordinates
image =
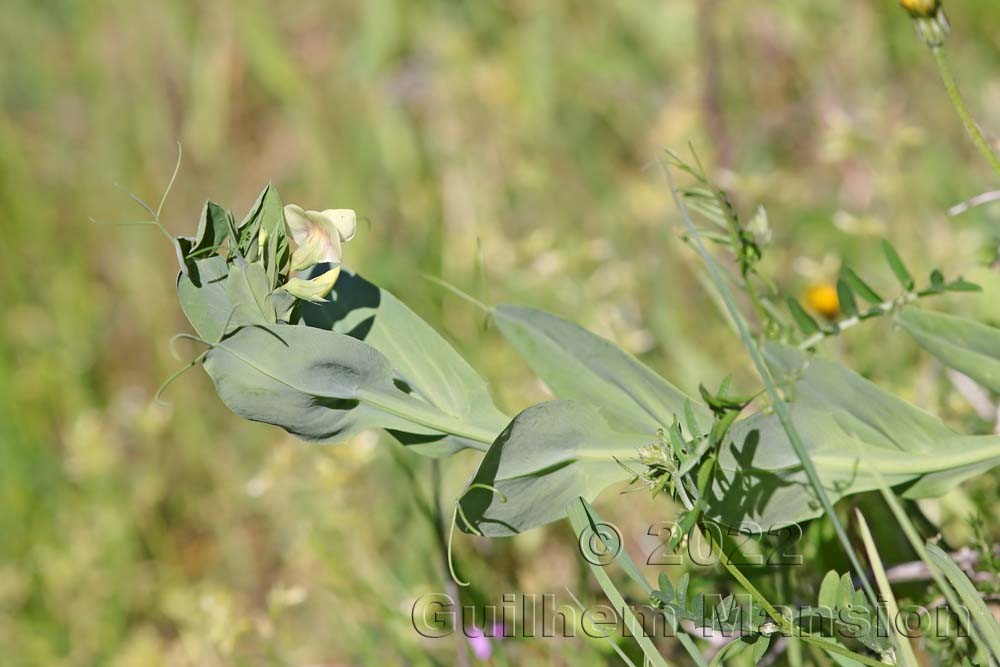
(822, 298)
(929, 20)
(921, 8)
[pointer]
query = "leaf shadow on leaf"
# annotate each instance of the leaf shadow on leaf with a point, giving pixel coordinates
(749, 490)
(477, 500)
(352, 293)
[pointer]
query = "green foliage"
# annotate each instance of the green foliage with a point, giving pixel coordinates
(985, 622)
(575, 364)
(327, 379)
(965, 345)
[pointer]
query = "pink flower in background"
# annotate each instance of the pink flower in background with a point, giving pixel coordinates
(482, 645)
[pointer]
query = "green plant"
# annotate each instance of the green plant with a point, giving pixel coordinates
(813, 433)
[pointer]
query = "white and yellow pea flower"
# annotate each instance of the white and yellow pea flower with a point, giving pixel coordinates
(318, 237)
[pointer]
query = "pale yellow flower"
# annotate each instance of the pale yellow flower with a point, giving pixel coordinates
(319, 237)
(318, 234)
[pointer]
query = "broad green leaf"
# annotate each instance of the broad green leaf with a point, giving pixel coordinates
(421, 359)
(828, 590)
(320, 385)
(581, 366)
(208, 305)
(897, 266)
(249, 291)
(849, 427)
(549, 455)
(236, 294)
(965, 345)
(214, 228)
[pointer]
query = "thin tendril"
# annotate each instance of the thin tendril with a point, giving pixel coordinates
(170, 380)
(184, 336)
(460, 513)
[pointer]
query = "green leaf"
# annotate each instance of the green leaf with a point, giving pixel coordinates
(214, 228)
(549, 455)
(860, 287)
(206, 304)
(421, 359)
(937, 279)
(848, 306)
(760, 647)
(583, 519)
(263, 235)
(803, 320)
(248, 288)
(828, 590)
(579, 365)
(897, 266)
(843, 420)
(321, 386)
(965, 345)
(985, 622)
(962, 285)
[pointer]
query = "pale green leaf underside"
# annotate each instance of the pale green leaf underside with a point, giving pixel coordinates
(549, 455)
(579, 365)
(849, 426)
(423, 365)
(965, 345)
(420, 357)
(320, 385)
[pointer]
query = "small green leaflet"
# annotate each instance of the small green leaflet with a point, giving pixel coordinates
(897, 266)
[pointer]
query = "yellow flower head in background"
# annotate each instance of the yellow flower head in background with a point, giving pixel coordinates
(921, 8)
(822, 298)
(319, 237)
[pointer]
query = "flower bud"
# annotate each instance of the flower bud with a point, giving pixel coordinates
(822, 297)
(929, 19)
(921, 8)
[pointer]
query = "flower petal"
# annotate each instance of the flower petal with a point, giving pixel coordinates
(297, 223)
(316, 236)
(315, 289)
(344, 219)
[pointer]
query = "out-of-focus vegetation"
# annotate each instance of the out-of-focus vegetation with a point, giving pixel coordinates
(505, 147)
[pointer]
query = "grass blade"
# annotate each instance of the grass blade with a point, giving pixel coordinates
(983, 618)
(778, 403)
(883, 585)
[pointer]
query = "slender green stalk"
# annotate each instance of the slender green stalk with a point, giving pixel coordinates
(883, 585)
(581, 518)
(918, 545)
(787, 628)
(777, 401)
(963, 111)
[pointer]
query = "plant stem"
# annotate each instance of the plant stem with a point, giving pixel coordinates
(963, 111)
(875, 560)
(777, 401)
(787, 627)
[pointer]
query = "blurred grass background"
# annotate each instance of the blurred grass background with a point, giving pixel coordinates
(504, 146)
